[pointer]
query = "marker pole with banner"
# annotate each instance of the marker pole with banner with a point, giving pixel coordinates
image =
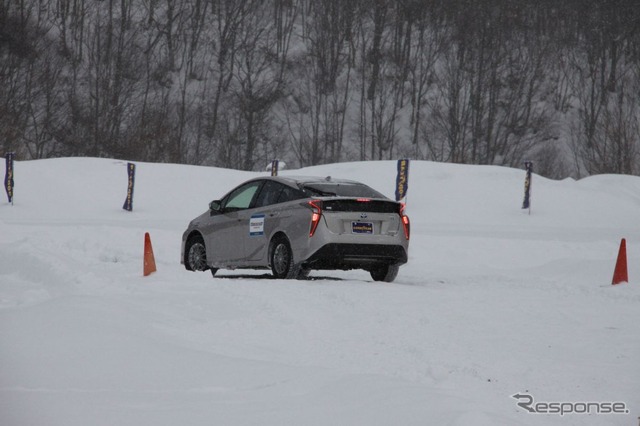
(526, 204)
(402, 179)
(8, 176)
(128, 202)
(274, 167)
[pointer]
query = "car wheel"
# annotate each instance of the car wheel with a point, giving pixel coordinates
(196, 255)
(386, 273)
(282, 260)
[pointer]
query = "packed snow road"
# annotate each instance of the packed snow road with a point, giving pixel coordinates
(494, 302)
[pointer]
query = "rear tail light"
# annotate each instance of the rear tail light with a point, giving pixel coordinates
(316, 213)
(406, 225)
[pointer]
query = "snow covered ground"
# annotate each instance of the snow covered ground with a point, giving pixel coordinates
(493, 302)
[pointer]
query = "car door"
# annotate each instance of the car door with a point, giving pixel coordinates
(226, 230)
(261, 221)
(267, 215)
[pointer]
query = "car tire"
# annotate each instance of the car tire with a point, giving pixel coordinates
(195, 258)
(303, 273)
(386, 273)
(281, 260)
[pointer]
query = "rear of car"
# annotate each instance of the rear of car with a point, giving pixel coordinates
(353, 227)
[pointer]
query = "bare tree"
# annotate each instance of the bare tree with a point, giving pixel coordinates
(257, 84)
(237, 82)
(489, 107)
(605, 82)
(317, 106)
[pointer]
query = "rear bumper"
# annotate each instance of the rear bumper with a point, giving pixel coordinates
(355, 256)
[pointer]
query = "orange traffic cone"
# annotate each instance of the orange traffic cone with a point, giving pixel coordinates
(620, 273)
(149, 260)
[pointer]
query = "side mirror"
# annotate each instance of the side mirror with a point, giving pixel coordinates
(215, 206)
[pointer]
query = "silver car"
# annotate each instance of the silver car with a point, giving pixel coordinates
(293, 225)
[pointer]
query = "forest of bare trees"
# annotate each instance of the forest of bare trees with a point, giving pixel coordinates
(236, 83)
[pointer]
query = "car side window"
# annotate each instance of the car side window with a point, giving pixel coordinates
(241, 198)
(269, 194)
(290, 194)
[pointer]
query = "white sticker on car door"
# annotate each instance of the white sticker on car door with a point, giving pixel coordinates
(256, 225)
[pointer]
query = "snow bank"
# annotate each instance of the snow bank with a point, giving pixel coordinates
(493, 302)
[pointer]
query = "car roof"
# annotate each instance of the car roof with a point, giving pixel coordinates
(310, 179)
(298, 182)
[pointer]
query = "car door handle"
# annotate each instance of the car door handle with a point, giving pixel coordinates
(274, 214)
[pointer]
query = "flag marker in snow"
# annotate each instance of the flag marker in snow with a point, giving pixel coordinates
(8, 177)
(526, 204)
(128, 202)
(149, 260)
(620, 274)
(402, 179)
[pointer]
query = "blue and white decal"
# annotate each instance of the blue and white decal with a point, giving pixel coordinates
(256, 225)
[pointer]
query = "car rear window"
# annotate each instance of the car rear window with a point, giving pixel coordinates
(342, 189)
